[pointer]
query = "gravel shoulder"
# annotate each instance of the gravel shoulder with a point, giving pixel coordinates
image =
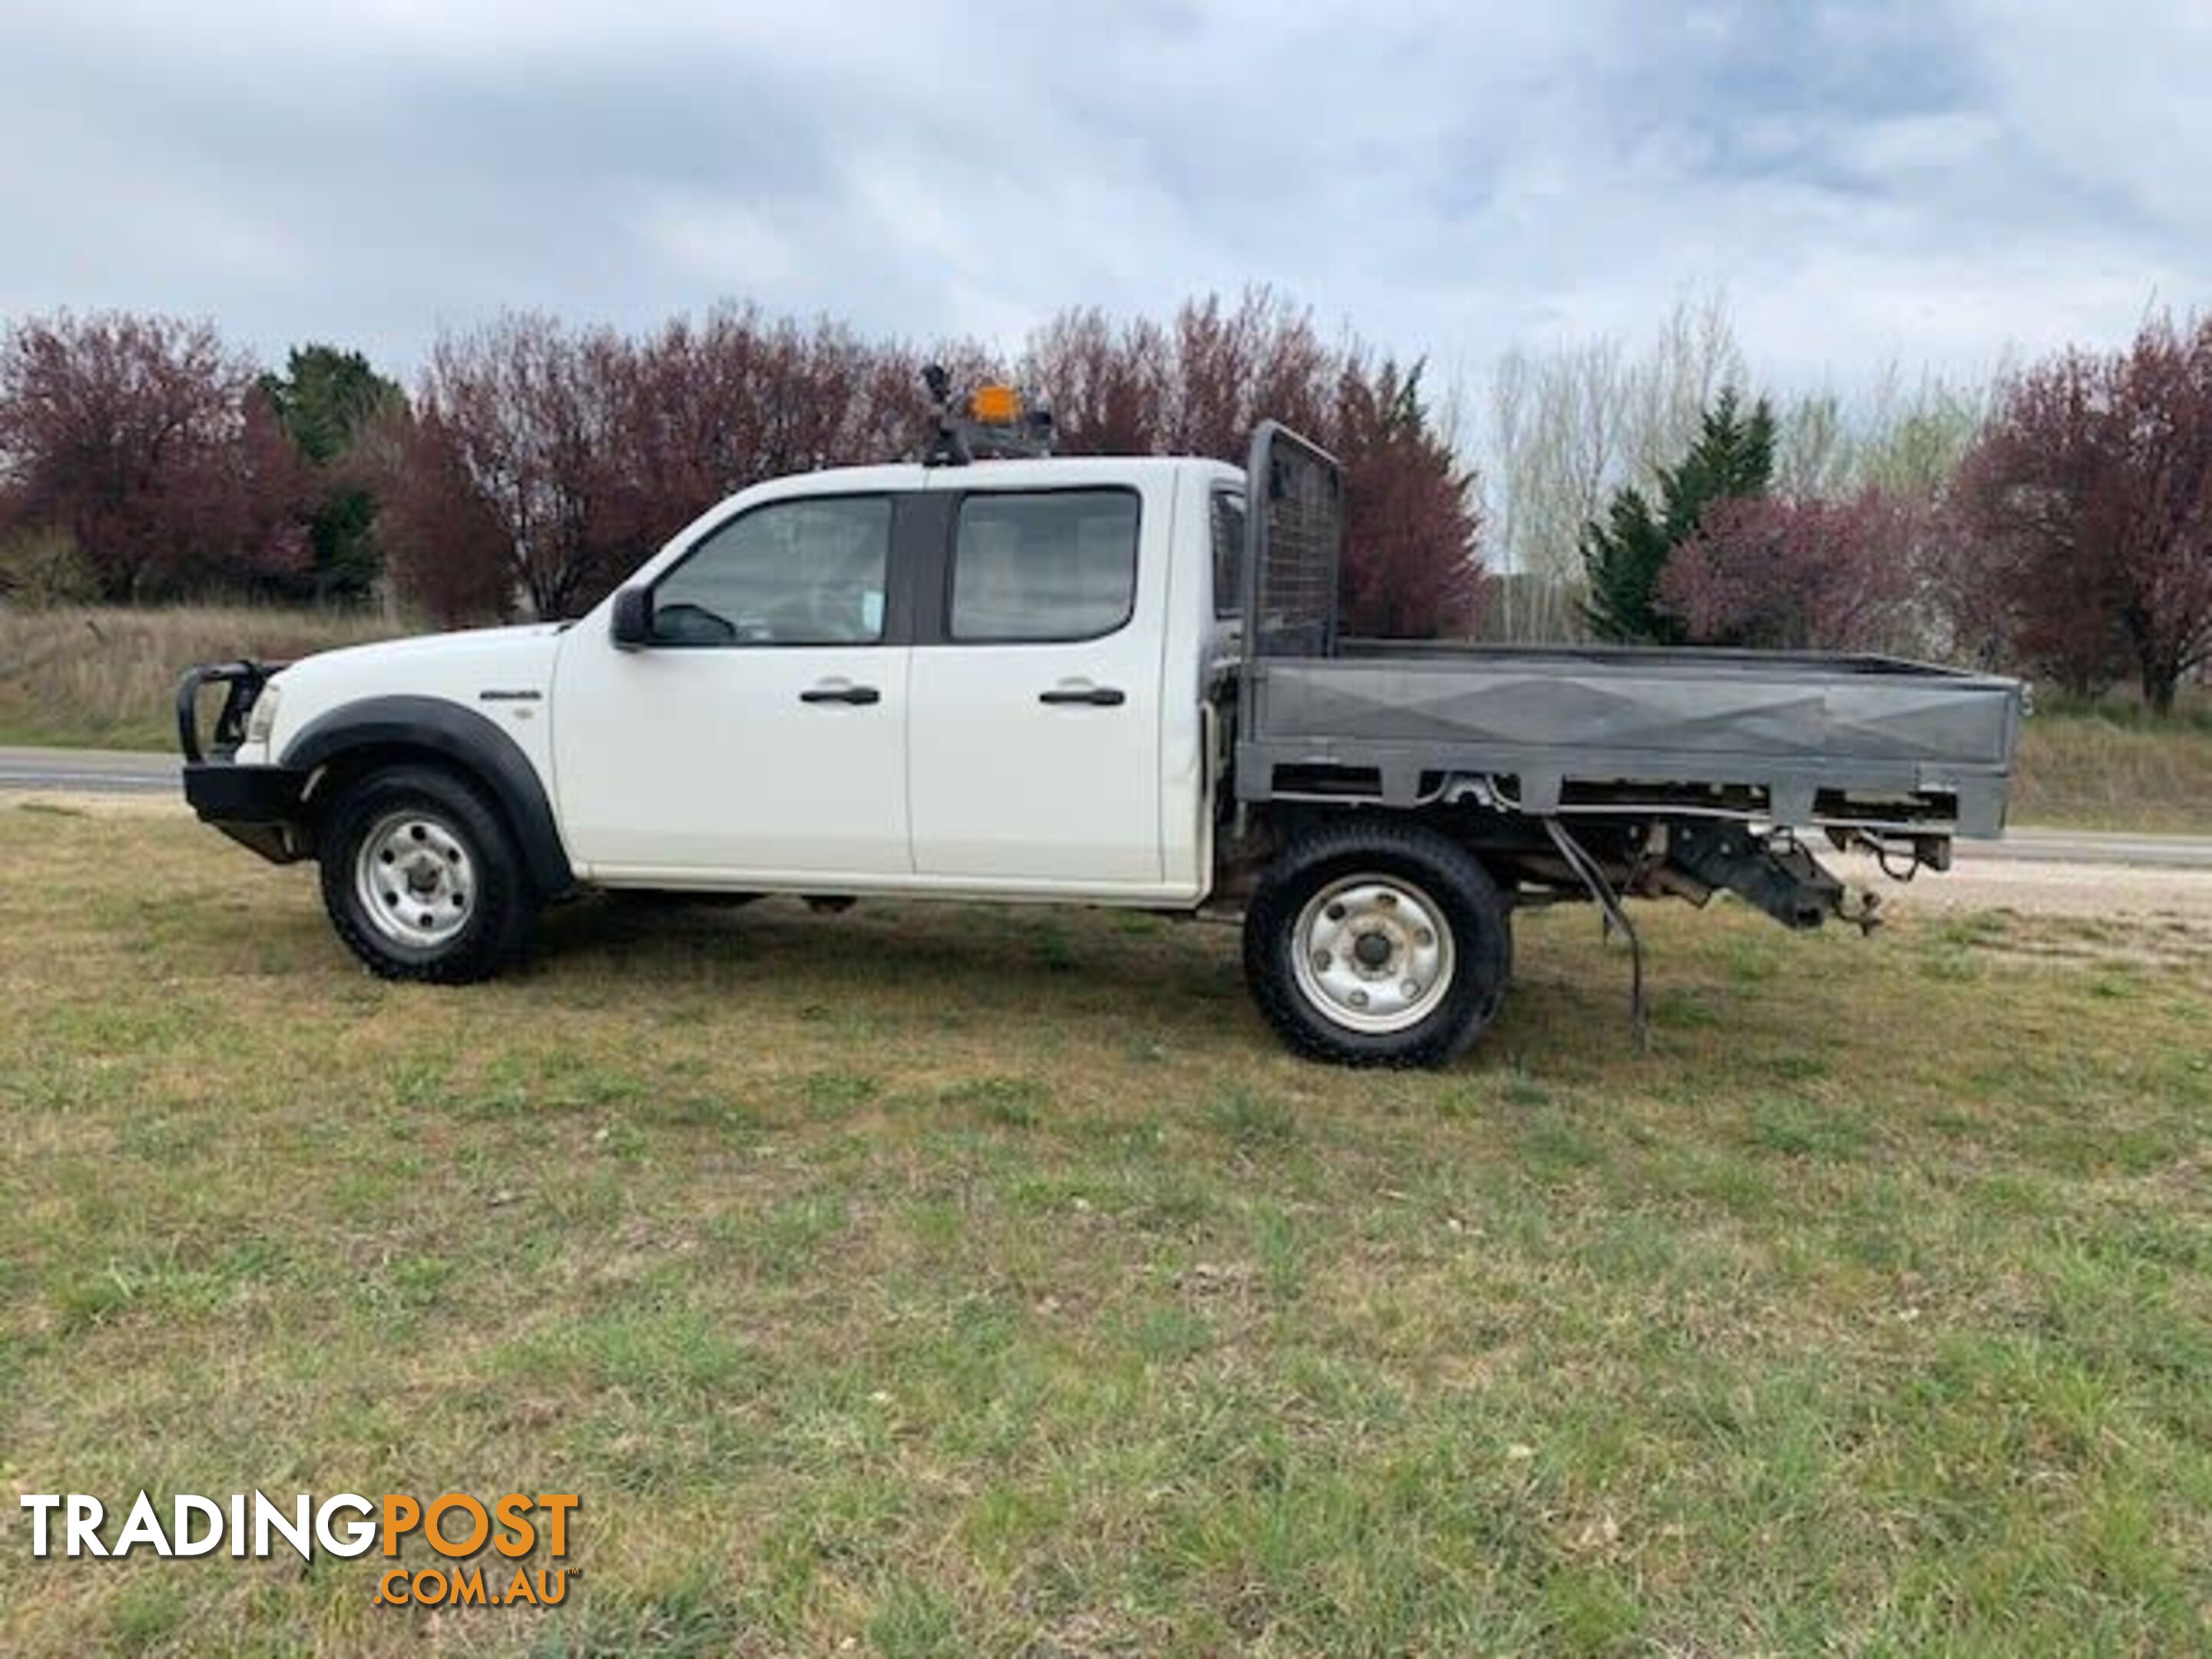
(2043, 888)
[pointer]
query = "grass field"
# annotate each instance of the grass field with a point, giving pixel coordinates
(961, 1281)
(2117, 767)
(104, 678)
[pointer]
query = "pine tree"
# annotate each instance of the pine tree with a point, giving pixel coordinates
(1625, 555)
(324, 398)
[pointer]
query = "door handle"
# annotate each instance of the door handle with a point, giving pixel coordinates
(1098, 696)
(852, 693)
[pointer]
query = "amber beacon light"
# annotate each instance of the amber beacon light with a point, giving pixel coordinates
(995, 405)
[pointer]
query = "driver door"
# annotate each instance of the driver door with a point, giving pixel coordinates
(761, 735)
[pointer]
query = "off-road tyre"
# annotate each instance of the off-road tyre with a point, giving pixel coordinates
(1405, 883)
(471, 912)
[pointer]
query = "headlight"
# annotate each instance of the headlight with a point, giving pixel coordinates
(262, 719)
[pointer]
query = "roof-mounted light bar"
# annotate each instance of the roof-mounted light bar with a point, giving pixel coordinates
(993, 422)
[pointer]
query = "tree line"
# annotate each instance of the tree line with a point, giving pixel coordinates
(2057, 521)
(534, 466)
(2070, 536)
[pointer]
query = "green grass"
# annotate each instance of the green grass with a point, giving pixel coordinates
(958, 1281)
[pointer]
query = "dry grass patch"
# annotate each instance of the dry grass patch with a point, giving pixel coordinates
(2116, 771)
(106, 677)
(976, 1281)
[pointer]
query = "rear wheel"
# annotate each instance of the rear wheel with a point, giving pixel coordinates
(1378, 943)
(422, 879)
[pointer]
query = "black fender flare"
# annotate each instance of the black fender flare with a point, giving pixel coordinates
(460, 735)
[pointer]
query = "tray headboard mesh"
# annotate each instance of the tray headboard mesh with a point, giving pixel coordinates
(1294, 543)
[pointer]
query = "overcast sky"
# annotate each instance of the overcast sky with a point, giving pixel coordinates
(1926, 182)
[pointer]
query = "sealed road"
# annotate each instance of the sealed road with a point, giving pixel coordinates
(89, 771)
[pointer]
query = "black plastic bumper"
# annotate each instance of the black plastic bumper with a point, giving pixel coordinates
(256, 806)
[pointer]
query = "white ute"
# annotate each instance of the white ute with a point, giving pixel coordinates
(1032, 679)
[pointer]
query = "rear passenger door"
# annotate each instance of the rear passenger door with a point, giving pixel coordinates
(1033, 734)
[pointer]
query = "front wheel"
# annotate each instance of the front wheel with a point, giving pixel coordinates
(422, 879)
(1378, 943)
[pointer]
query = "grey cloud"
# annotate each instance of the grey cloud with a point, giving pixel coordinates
(1924, 182)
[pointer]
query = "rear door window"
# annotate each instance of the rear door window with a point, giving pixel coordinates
(1048, 565)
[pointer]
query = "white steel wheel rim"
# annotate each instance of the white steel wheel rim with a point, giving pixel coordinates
(415, 879)
(1373, 954)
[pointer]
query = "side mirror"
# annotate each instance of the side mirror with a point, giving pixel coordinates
(633, 618)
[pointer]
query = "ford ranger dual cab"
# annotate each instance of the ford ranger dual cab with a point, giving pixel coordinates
(1092, 681)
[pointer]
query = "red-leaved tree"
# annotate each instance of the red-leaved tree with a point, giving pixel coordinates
(1411, 567)
(1107, 384)
(534, 412)
(1199, 383)
(444, 548)
(546, 464)
(1804, 574)
(146, 439)
(2089, 496)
